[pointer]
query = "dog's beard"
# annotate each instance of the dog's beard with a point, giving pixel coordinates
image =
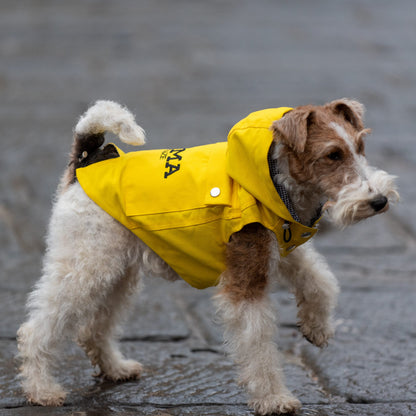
(353, 202)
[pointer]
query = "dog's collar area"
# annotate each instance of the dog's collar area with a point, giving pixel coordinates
(284, 195)
(83, 156)
(281, 190)
(317, 215)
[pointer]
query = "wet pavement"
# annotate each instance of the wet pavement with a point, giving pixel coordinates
(189, 70)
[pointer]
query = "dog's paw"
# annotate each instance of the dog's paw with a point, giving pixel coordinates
(317, 334)
(50, 396)
(280, 404)
(125, 370)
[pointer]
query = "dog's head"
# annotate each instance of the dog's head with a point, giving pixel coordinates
(325, 152)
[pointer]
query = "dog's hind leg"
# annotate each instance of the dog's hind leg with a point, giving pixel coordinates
(58, 304)
(99, 336)
(87, 257)
(39, 340)
(249, 320)
(64, 300)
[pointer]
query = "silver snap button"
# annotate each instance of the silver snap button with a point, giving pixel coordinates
(215, 192)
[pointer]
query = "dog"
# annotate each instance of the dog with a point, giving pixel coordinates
(262, 195)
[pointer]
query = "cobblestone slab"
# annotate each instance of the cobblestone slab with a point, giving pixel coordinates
(372, 357)
(386, 313)
(386, 374)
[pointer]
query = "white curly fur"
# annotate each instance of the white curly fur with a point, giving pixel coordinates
(107, 115)
(351, 204)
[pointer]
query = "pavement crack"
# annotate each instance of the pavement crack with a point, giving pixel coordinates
(181, 405)
(157, 338)
(207, 349)
(364, 401)
(314, 374)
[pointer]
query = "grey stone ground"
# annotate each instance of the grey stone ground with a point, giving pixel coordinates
(190, 69)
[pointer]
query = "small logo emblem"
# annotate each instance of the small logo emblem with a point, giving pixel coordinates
(174, 156)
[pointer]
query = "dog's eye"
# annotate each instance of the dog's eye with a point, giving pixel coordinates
(335, 155)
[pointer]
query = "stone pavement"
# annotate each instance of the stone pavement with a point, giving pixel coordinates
(190, 69)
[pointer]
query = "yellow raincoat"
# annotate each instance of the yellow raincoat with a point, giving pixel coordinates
(186, 203)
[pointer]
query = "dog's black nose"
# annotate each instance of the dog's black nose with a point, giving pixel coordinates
(378, 203)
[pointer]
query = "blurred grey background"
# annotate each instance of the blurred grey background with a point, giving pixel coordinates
(189, 70)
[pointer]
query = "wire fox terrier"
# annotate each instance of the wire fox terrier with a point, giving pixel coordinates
(307, 160)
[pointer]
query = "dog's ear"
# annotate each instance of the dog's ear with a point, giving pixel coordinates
(352, 111)
(292, 128)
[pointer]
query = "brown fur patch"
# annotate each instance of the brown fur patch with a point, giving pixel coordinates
(318, 157)
(247, 260)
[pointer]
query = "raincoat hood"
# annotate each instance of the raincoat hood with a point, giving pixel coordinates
(249, 143)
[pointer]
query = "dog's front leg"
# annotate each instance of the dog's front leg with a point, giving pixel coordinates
(316, 290)
(249, 321)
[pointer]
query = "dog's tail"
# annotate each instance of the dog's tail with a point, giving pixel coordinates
(109, 116)
(102, 117)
